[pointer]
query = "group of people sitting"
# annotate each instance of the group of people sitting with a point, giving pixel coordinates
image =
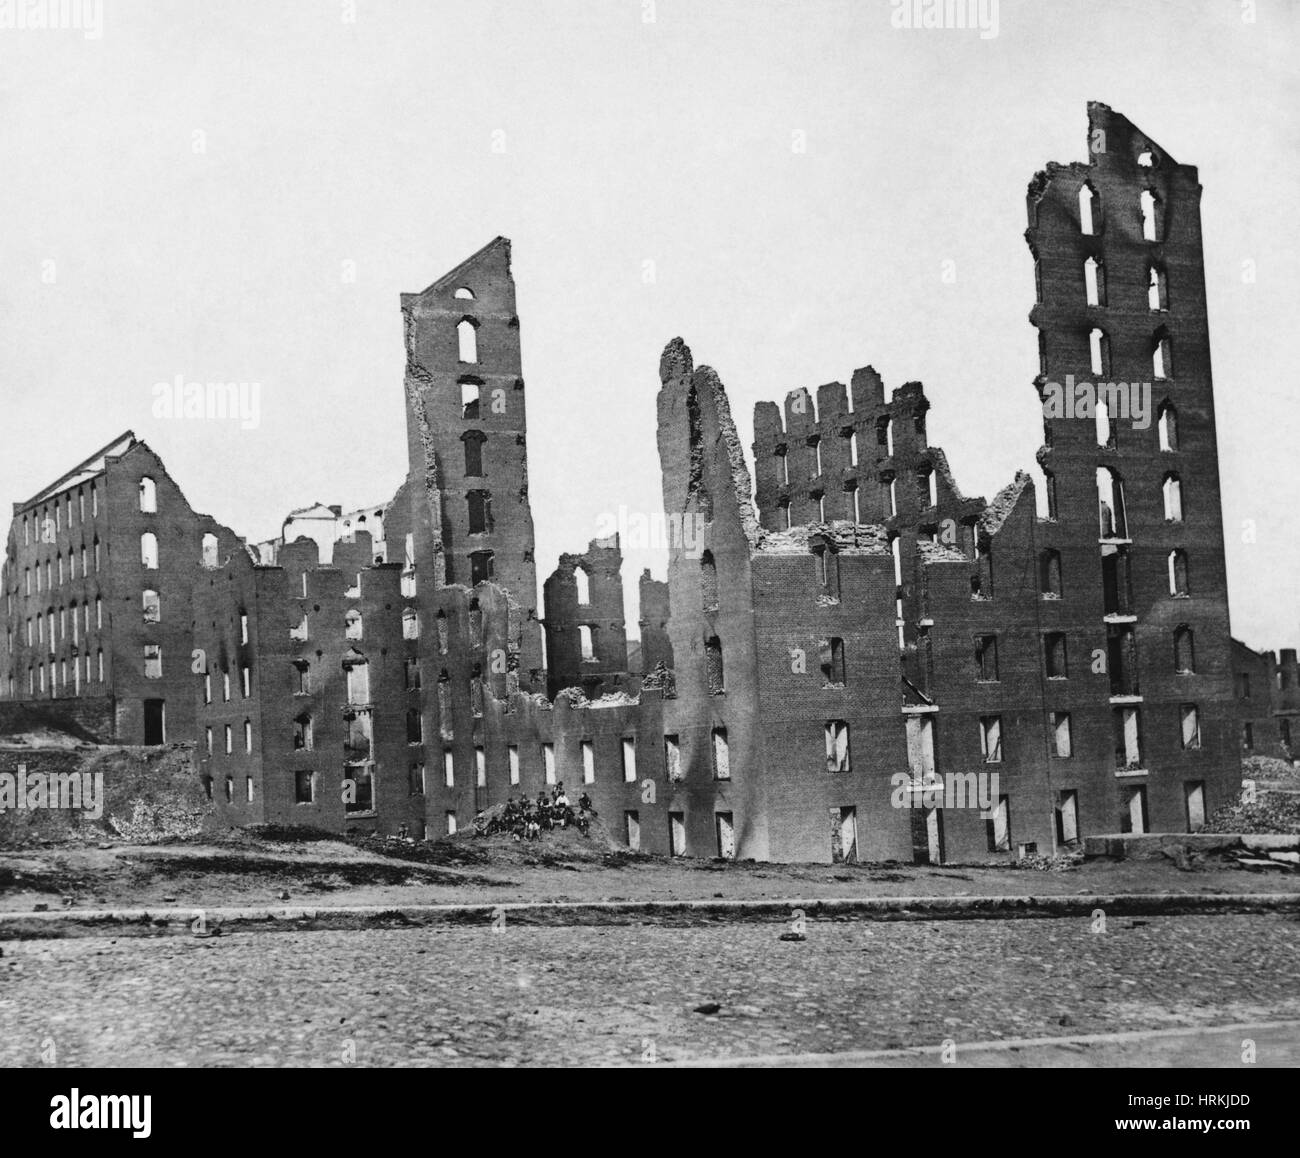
(524, 818)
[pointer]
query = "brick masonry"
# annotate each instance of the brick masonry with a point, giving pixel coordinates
(842, 628)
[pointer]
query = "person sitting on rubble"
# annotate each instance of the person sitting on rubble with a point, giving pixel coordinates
(584, 804)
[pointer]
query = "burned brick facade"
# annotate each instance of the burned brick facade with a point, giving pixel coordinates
(850, 659)
(586, 639)
(1267, 687)
(99, 578)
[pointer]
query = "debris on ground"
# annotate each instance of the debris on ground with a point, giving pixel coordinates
(1270, 812)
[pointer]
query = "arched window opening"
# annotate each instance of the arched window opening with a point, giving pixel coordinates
(1173, 496)
(1098, 351)
(1089, 210)
(149, 551)
(1162, 365)
(583, 583)
(148, 495)
(467, 339)
(1094, 282)
(1178, 573)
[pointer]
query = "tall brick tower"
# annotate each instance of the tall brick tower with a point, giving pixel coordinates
(1133, 538)
(466, 435)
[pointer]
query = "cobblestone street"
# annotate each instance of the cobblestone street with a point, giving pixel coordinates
(628, 994)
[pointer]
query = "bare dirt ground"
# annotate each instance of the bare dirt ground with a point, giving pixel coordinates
(247, 869)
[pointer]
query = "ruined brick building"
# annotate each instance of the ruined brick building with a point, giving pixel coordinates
(846, 632)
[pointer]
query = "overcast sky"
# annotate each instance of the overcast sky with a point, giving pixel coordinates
(239, 191)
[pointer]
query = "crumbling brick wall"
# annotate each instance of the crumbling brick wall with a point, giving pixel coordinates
(605, 669)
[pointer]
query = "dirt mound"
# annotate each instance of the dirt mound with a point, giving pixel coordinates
(148, 795)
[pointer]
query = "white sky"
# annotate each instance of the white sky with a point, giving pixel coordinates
(329, 142)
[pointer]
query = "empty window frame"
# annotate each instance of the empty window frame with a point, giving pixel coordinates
(1060, 741)
(832, 661)
(473, 441)
(480, 512)
(1177, 565)
(920, 747)
(1054, 655)
(713, 668)
(998, 827)
(837, 746)
(709, 581)
(1157, 289)
(467, 340)
(673, 757)
(1172, 491)
(991, 739)
(1094, 282)
(1089, 210)
(1162, 357)
(1098, 351)
(1152, 208)
(302, 732)
(721, 755)
(1049, 573)
(1111, 515)
(482, 567)
(1167, 426)
(1127, 730)
(470, 392)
